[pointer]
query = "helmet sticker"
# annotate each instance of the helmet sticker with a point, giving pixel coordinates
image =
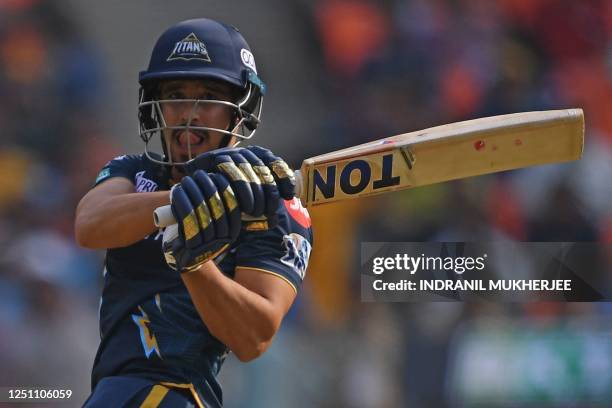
(189, 48)
(248, 59)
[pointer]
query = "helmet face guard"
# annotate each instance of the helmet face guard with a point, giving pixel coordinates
(206, 50)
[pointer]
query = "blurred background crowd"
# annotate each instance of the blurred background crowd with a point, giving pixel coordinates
(340, 72)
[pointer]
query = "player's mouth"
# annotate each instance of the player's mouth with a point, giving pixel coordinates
(192, 137)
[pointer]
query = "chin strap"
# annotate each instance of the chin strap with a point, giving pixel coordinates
(225, 141)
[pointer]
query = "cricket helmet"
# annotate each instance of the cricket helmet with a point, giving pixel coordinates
(201, 49)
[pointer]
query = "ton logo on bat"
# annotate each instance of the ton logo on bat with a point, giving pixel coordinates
(360, 170)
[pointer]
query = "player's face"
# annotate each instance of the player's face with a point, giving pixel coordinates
(213, 115)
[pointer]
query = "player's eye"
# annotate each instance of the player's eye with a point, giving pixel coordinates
(175, 95)
(172, 95)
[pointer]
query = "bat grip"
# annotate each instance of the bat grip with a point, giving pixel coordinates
(299, 184)
(162, 216)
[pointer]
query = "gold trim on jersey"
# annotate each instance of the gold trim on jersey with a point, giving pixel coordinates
(270, 273)
(155, 397)
(189, 387)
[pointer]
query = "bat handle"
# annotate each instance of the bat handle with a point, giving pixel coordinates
(299, 184)
(162, 216)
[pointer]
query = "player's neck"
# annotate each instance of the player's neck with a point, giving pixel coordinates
(176, 174)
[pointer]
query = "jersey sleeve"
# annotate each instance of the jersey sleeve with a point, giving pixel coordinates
(121, 166)
(283, 251)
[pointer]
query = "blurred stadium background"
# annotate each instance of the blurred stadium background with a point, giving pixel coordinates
(339, 72)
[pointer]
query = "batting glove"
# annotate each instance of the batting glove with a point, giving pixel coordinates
(208, 221)
(259, 178)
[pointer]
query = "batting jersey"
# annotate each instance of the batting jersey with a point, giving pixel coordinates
(149, 326)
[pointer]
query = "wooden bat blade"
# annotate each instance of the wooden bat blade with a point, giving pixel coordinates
(442, 153)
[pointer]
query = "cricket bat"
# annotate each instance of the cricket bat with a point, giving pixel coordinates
(434, 155)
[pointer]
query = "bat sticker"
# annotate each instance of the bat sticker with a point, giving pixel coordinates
(355, 177)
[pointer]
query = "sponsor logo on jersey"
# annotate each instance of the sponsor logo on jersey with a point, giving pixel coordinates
(103, 175)
(297, 212)
(248, 59)
(143, 184)
(297, 253)
(189, 48)
(105, 172)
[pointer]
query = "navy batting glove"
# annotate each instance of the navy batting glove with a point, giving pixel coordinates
(208, 221)
(258, 178)
(283, 175)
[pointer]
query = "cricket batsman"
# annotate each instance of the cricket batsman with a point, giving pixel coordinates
(175, 303)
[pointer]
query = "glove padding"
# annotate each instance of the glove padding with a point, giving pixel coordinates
(259, 178)
(208, 221)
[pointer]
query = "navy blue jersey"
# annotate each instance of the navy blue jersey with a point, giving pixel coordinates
(148, 324)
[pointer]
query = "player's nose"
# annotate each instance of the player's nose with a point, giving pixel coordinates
(192, 112)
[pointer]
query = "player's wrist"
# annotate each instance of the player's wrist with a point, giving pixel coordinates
(207, 258)
(206, 271)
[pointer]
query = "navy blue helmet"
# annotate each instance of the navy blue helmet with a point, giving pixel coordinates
(201, 49)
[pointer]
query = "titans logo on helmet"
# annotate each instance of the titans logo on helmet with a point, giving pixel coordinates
(189, 48)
